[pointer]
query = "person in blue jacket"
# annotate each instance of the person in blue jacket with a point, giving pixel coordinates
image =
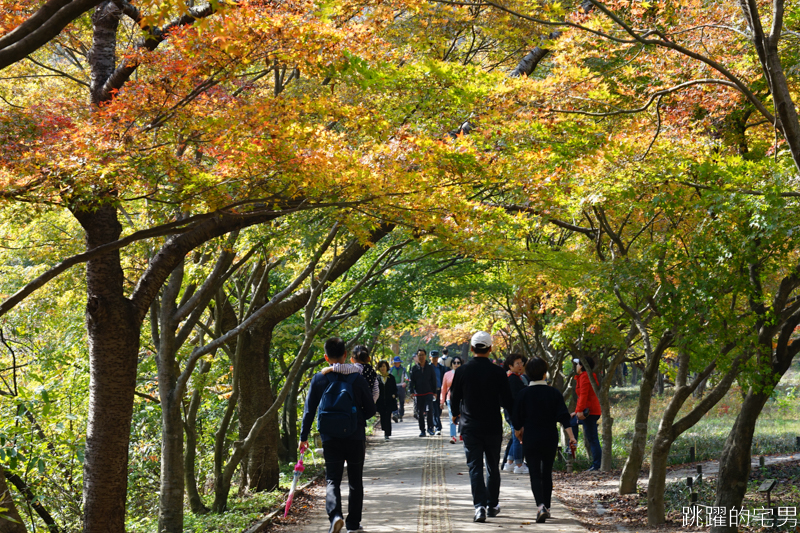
(338, 451)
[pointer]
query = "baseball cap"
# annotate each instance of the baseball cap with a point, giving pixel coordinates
(397, 359)
(481, 340)
(576, 361)
(434, 353)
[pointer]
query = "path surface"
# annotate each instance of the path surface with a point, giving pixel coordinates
(422, 485)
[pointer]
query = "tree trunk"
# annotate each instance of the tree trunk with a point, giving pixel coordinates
(630, 473)
(656, 484)
(170, 499)
(170, 514)
(15, 525)
(734, 463)
(195, 501)
(607, 422)
(113, 333)
(255, 399)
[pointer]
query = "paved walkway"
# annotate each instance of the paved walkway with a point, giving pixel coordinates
(422, 485)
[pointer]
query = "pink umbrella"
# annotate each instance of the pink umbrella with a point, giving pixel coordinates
(298, 469)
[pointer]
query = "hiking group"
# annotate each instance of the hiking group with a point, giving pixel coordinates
(477, 394)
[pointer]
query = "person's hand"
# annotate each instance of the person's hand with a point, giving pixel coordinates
(580, 416)
(403, 385)
(303, 446)
(572, 442)
(455, 420)
(518, 433)
(326, 370)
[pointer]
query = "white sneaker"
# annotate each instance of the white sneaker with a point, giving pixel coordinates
(508, 467)
(521, 469)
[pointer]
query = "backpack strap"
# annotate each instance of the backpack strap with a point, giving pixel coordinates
(351, 378)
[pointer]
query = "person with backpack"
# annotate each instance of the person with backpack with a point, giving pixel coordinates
(359, 362)
(344, 403)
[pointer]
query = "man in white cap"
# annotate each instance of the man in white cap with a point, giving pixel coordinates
(479, 390)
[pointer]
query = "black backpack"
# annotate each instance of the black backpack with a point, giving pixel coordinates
(338, 416)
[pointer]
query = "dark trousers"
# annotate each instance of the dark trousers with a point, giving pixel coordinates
(386, 423)
(401, 401)
(590, 427)
(437, 412)
(484, 493)
(540, 458)
(425, 410)
(336, 453)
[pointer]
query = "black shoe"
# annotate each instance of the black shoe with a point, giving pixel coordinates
(421, 433)
(395, 419)
(541, 516)
(546, 512)
(336, 524)
(493, 511)
(480, 515)
(591, 469)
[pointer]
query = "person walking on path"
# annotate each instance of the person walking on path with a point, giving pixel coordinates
(342, 420)
(440, 371)
(587, 399)
(447, 381)
(537, 409)
(423, 386)
(479, 391)
(515, 369)
(359, 363)
(401, 378)
(387, 401)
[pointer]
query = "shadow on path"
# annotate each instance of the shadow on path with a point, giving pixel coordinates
(422, 485)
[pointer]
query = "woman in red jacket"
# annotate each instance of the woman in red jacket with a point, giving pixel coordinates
(587, 399)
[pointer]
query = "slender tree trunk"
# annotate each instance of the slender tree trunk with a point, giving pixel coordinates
(656, 484)
(734, 463)
(607, 422)
(190, 425)
(15, 525)
(633, 465)
(113, 333)
(170, 515)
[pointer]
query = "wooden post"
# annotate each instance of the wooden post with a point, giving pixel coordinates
(797, 444)
(761, 461)
(691, 454)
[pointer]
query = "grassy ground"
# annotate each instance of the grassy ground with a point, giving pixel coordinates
(776, 429)
(243, 510)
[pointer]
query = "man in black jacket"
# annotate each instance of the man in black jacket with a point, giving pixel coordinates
(337, 450)
(423, 388)
(479, 390)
